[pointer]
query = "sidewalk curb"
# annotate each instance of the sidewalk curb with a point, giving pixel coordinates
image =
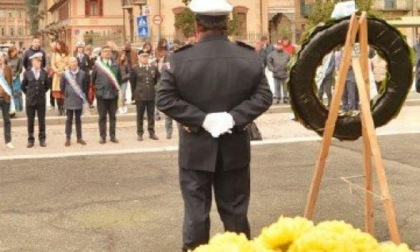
(52, 119)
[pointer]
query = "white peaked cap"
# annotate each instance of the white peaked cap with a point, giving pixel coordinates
(210, 7)
(37, 55)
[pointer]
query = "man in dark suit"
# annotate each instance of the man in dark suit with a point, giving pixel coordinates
(35, 48)
(145, 77)
(214, 88)
(106, 76)
(35, 84)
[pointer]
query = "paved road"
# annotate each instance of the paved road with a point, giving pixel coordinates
(125, 197)
(131, 202)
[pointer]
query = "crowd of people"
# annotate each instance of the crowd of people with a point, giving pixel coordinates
(75, 81)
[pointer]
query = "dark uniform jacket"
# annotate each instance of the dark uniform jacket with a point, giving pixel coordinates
(85, 63)
(214, 75)
(27, 63)
(35, 89)
(72, 100)
(146, 79)
(103, 86)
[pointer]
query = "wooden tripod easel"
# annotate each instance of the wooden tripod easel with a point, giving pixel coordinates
(371, 146)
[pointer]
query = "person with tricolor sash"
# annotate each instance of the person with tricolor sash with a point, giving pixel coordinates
(6, 99)
(35, 84)
(74, 85)
(106, 76)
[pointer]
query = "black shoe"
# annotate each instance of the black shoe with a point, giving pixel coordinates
(30, 145)
(140, 138)
(114, 140)
(102, 141)
(67, 143)
(153, 137)
(168, 136)
(81, 141)
(43, 144)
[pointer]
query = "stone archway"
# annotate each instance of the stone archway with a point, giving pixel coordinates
(280, 25)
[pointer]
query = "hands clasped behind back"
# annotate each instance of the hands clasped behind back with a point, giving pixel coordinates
(218, 124)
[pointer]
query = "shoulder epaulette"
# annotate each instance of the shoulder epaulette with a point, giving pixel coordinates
(185, 47)
(240, 43)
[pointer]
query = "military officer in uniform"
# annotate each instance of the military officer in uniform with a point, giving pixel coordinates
(214, 88)
(145, 77)
(35, 84)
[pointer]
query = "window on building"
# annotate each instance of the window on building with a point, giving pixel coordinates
(12, 32)
(20, 31)
(19, 14)
(1, 13)
(11, 14)
(240, 13)
(93, 7)
(390, 4)
(3, 31)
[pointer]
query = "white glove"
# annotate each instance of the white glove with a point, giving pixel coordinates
(218, 123)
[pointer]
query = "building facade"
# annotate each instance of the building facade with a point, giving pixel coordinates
(275, 18)
(14, 24)
(92, 21)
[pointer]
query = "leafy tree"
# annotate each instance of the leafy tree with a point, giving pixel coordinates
(321, 11)
(32, 10)
(185, 21)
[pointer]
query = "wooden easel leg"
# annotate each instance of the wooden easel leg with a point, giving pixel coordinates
(374, 146)
(364, 63)
(332, 117)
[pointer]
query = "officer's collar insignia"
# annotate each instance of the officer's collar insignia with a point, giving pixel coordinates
(240, 43)
(184, 48)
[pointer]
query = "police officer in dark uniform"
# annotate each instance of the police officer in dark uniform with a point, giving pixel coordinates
(145, 77)
(35, 84)
(214, 88)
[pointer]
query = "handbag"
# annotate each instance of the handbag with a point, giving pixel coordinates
(254, 132)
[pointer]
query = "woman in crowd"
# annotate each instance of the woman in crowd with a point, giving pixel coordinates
(15, 63)
(59, 63)
(125, 76)
(6, 99)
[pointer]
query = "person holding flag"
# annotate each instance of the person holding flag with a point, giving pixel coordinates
(7, 104)
(106, 76)
(74, 85)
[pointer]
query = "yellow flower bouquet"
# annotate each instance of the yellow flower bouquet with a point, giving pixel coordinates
(301, 235)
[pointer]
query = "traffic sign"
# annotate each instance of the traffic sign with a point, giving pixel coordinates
(146, 10)
(143, 26)
(157, 19)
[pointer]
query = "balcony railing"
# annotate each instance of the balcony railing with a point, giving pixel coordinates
(391, 5)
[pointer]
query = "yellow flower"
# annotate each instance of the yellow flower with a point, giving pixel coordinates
(362, 242)
(259, 246)
(331, 236)
(391, 247)
(280, 235)
(229, 242)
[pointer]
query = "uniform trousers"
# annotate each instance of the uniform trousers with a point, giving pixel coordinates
(39, 110)
(232, 193)
(107, 108)
(149, 107)
(69, 123)
(6, 120)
